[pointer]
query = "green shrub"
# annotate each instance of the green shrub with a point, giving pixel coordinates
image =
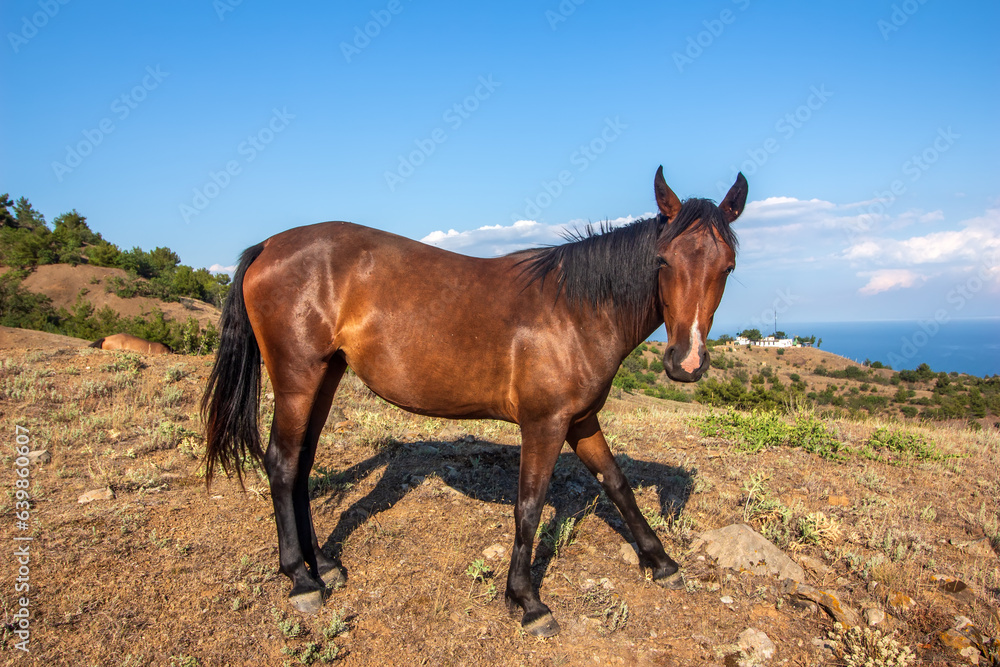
(749, 432)
(906, 445)
(811, 435)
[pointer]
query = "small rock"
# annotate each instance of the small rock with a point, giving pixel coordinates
(606, 584)
(962, 622)
(39, 456)
(756, 645)
(96, 494)
(628, 554)
(954, 587)
(980, 548)
(899, 602)
(825, 599)
(874, 616)
(954, 639)
(825, 648)
(741, 548)
(815, 565)
(494, 551)
(726, 599)
(971, 653)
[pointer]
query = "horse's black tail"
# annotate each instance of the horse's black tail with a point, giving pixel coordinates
(97, 343)
(229, 406)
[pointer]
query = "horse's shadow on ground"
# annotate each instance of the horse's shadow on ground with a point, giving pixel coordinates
(488, 471)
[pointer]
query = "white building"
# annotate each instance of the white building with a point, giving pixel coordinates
(769, 341)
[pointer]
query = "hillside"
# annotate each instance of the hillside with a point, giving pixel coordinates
(790, 379)
(12, 338)
(63, 284)
(899, 523)
(67, 279)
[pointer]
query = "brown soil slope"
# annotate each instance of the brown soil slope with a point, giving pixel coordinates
(27, 339)
(63, 283)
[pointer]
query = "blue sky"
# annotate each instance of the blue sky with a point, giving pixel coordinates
(867, 131)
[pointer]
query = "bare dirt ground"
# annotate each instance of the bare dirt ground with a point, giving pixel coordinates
(165, 573)
(12, 338)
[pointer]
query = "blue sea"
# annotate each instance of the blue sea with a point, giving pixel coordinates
(964, 346)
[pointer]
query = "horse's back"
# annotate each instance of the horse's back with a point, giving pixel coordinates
(427, 329)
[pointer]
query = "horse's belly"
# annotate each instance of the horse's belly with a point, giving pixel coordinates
(434, 387)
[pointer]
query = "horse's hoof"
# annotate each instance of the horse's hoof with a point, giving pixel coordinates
(333, 578)
(674, 582)
(309, 602)
(543, 626)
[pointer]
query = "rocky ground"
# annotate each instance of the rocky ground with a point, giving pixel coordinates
(133, 563)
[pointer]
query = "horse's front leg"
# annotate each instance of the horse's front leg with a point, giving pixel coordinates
(540, 445)
(588, 442)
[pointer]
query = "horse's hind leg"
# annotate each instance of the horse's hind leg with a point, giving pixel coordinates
(329, 572)
(588, 442)
(299, 400)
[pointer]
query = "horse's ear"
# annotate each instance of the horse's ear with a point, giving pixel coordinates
(735, 200)
(666, 200)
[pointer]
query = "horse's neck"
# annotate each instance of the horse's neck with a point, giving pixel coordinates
(633, 332)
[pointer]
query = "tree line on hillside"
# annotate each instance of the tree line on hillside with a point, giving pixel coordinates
(27, 241)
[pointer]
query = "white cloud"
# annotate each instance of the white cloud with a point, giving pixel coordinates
(887, 279)
(219, 268)
(494, 240)
(975, 239)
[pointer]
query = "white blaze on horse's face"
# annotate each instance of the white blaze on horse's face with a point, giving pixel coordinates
(693, 359)
(696, 256)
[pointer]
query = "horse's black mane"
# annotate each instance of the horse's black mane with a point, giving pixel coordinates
(604, 265)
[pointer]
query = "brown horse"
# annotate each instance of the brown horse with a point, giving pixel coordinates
(534, 338)
(124, 341)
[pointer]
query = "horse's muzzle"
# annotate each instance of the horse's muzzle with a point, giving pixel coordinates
(672, 365)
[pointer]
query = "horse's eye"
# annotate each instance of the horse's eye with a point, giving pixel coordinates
(661, 262)
(730, 270)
